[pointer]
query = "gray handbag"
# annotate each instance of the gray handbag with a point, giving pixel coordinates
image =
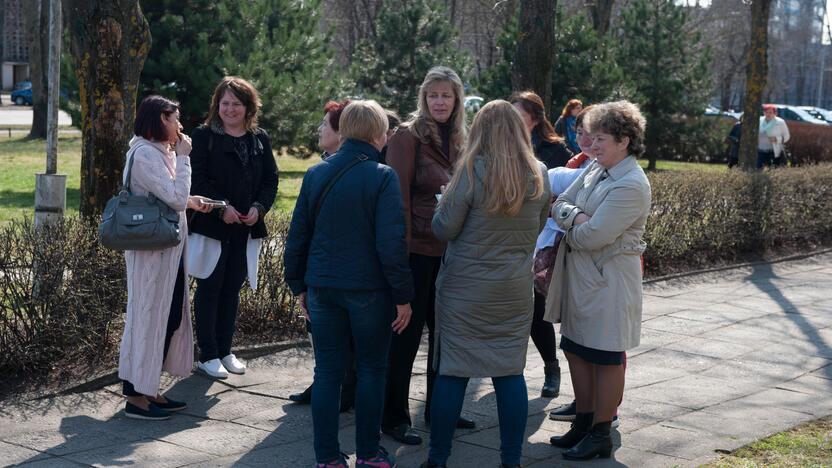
(132, 222)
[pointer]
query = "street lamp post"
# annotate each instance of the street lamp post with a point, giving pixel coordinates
(50, 187)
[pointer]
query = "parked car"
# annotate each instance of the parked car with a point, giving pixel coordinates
(797, 114)
(473, 104)
(819, 113)
(712, 111)
(22, 97)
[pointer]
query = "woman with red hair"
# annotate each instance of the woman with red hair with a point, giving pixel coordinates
(565, 125)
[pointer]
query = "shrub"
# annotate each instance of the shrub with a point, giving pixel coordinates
(809, 143)
(700, 219)
(73, 313)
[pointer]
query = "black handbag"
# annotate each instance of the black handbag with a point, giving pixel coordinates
(132, 222)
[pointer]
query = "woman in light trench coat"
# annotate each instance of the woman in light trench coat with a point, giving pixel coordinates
(157, 328)
(596, 288)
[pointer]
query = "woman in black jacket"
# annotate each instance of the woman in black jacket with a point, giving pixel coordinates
(548, 146)
(552, 151)
(232, 160)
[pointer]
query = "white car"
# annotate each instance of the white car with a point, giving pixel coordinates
(819, 113)
(473, 104)
(795, 113)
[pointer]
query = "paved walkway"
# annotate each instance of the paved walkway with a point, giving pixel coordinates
(725, 359)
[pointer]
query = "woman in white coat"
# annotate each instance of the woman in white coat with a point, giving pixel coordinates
(157, 329)
(596, 287)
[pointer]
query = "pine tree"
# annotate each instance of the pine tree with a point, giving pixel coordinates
(276, 44)
(584, 66)
(290, 64)
(667, 64)
(411, 37)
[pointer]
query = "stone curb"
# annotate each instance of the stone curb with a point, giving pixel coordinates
(110, 376)
(735, 266)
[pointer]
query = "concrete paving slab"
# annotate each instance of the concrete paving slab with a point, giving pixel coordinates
(704, 369)
(145, 452)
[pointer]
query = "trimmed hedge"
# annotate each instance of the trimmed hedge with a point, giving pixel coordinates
(74, 316)
(701, 219)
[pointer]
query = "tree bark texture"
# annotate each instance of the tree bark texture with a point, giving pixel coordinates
(600, 12)
(532, 67)
(756, 73)
(37, 25)
(109, 42)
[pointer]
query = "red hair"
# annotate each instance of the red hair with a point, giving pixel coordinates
(769, 107)
(334, 110)
(573, 103)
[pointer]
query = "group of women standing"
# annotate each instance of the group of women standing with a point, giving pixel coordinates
(227, 176)
(438, 226)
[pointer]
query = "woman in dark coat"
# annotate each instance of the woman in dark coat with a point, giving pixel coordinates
(552, 151)
(565, 125)
(232, 161)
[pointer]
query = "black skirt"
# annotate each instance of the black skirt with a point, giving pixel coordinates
(593, 356)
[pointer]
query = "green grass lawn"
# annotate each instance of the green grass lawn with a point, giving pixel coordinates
(20, 159)
(807, 445)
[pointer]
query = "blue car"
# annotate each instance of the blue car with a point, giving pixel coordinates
(22, 95)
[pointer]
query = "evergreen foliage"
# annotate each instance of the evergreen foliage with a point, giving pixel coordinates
(667, 64)
(276, 44)
(411, 37)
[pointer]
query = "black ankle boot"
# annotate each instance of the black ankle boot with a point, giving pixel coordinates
(579, 430)
(551, 381)
(596, 443)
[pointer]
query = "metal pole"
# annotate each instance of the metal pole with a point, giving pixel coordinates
(54, 86)
(50, 188)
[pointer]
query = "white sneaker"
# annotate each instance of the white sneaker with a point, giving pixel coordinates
(213, 368)
(233, 365)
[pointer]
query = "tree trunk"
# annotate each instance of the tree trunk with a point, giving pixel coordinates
(532, 68)
(755, 82)
(109, 40)
(37, 25)
(600, 12)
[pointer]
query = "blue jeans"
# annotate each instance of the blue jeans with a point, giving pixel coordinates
(337, 314)
(512, 410)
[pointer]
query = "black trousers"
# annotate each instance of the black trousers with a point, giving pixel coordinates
(543, 332)
(217, 297)
(174, 319)
(403, 348)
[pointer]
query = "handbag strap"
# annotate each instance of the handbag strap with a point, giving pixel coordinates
(358, 159)
(130, 153)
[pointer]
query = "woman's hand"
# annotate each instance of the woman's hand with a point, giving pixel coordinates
(230, 215)
(195, 203)
(251, 218)
(302, 301)
(403, 312)
(183, 145)
(580, 219)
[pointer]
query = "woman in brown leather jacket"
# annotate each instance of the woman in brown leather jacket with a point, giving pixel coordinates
(422, 152)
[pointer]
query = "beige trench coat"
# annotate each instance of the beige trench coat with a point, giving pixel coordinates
(596, 287)
(151, 276)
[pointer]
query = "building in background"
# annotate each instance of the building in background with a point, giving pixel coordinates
(14, 44)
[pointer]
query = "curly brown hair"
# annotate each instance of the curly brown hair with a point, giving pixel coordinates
(619, 119)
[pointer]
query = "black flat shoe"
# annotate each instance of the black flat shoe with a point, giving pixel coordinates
(170, 405)
(303, 398)
(152, 413)
(596, 444)
(430, 464)
(403, 433)
(461, 423)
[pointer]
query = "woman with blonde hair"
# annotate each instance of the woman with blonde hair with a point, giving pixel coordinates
(490, 214)
(422, 152)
